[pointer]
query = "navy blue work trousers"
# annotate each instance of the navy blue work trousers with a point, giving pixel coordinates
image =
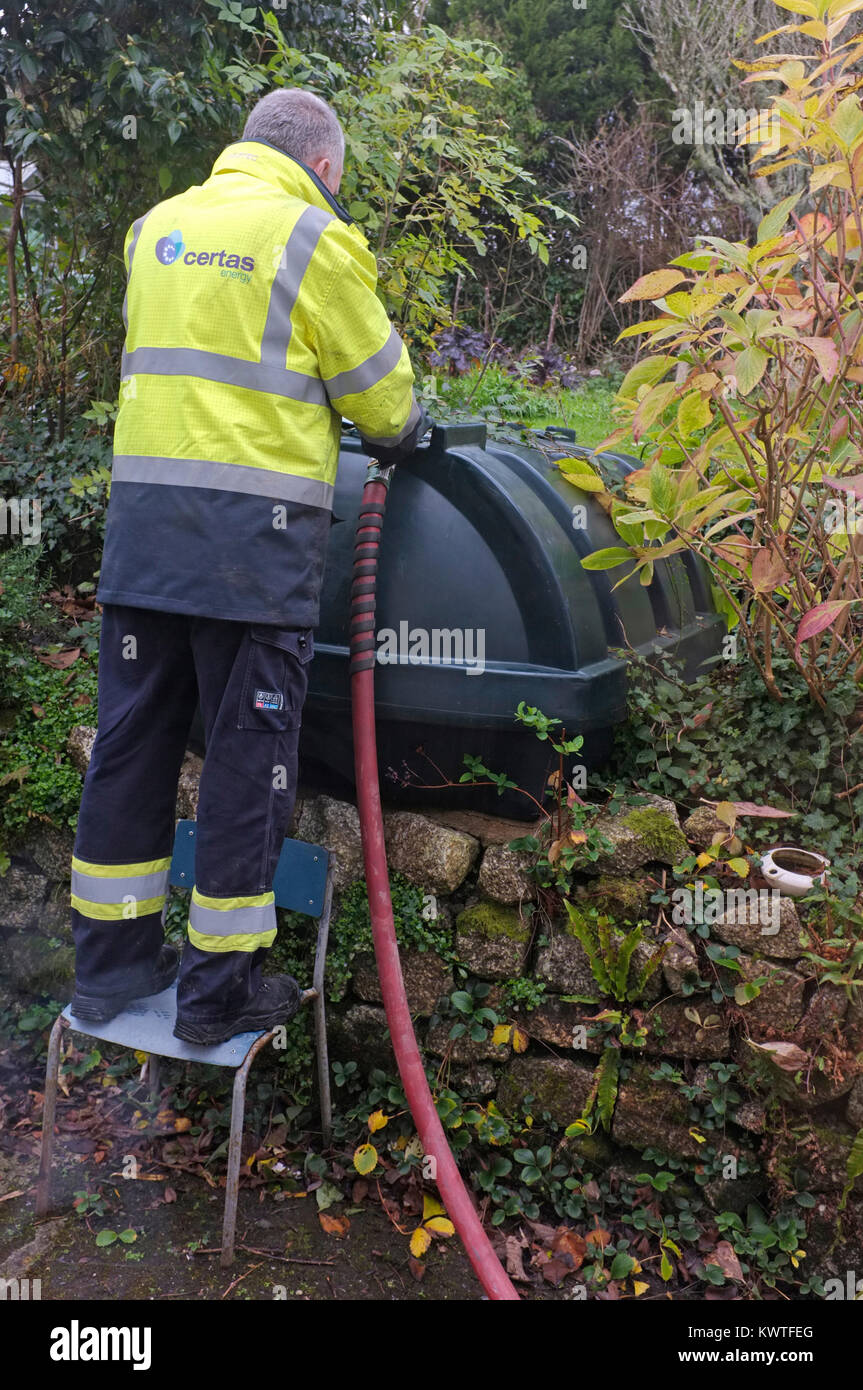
(251, 682)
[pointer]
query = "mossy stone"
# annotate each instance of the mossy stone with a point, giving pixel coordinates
(623, 899)
(491, 940)
(491, 920)
(661, 836)
(557, 1085)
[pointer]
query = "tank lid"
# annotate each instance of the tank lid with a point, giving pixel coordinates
(451, 436)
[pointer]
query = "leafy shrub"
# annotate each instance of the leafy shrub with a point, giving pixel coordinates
(756, 440)
(458, 348)
(351, 933)
(544, 367)
(722, 738)
(70, 478)
(39, 704)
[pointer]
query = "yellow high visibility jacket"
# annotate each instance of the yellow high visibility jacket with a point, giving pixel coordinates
(252, 327)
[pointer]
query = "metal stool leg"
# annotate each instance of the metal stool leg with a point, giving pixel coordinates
(49, 1106)
(321, 1011)
(154, 1076)
(235, 1145)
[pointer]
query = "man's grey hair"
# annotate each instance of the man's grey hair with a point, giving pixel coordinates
(298, 123)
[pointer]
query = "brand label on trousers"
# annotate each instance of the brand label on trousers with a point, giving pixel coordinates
(268, 699)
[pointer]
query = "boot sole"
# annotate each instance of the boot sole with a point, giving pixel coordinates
(102, 1011)
(204, 1036)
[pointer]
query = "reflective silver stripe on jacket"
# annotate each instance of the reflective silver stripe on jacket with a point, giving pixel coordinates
(142, 887)
(368, 373)
(229, 371)
(136, 232)
(293, 264)
(397, 438)
(224, 477)
(236, 921)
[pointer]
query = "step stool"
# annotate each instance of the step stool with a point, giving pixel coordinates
(303, 882)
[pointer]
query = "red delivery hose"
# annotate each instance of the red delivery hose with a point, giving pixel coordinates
(458, 1204)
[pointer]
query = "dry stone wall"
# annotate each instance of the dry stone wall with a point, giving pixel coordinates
(484, 893)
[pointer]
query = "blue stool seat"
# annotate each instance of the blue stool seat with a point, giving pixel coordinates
(147, 1025)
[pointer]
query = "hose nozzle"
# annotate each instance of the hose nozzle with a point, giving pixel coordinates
(378, 473)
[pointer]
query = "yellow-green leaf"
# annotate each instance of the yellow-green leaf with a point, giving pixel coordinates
(580, 473)
(771, 225)
(653, 285)
(645, 372)
(441, 1226)
(662, 490)
(749, 367)
(606, 559)
(693, 413)
(432, 1207)
(377, 1120)
(420, 1242)
(365, 1158)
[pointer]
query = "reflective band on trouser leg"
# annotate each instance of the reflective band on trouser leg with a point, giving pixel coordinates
(118, 892)
(232, 924)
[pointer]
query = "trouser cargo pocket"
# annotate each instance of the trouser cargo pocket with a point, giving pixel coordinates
(276, 678)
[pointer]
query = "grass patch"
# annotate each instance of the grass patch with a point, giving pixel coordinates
(499, 397)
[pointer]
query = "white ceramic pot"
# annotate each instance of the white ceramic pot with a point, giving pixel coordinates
(793, 871)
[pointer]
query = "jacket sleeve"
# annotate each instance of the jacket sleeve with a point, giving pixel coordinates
(363, 362)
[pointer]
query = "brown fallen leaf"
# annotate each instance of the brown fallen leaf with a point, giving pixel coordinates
(724, 1256)
(569, 1242)
(417, 1268)
(60, 661)
(514, 1256)
(598, 1237)
(554, 1272)
(543, 1234)
(360, 1190)
(785, 1055)
(170, 1195)
(750, 808)
(334, 1225)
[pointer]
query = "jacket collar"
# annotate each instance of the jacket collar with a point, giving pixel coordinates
(261, 160)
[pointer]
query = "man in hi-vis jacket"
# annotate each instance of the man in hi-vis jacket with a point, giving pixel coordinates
(252, 327)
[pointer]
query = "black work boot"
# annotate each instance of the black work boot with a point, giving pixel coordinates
(277, 999)
(96, 1008)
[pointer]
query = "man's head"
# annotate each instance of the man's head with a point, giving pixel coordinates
(303, 126)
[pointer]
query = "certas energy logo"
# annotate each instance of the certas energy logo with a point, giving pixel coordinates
(171, 249)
